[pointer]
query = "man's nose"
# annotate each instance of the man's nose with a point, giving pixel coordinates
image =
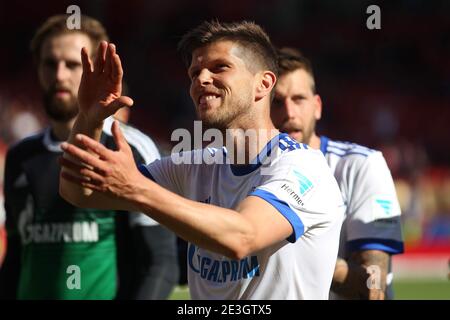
(289, 109)
(204, 77)
(61, 71)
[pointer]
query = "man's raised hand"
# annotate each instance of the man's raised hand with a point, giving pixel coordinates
(100, 92)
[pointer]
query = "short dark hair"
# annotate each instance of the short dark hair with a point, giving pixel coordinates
(290, 59)
(57, 25)
(248, 35)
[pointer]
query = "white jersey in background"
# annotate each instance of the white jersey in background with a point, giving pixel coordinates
(300, 185)
(146, 150)
(372, 213)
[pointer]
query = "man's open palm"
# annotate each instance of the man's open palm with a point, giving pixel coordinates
(100, 89)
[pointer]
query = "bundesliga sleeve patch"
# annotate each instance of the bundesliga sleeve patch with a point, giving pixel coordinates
(298, 189)
(304, 183)
(384, 210)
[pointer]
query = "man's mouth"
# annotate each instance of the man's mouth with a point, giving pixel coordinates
(208, 99)
(61, 93)
(291, 129)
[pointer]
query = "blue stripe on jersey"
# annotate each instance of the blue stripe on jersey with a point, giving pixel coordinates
(324, 144)
(143, 169)
(336, 151)
(347, 154)
(285, 210)
(386, 245)
(350, 147)
(347, 148)
(286, 142)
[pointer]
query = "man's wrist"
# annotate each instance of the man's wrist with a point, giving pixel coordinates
(89, 124)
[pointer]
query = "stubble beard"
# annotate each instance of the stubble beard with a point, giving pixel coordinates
(228, 113)
(60, 110)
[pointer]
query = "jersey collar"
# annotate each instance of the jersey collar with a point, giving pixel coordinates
(50, 143)
(243, 169)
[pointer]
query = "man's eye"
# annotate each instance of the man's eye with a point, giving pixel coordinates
(298, 100)
(73, 65)
(221, 67)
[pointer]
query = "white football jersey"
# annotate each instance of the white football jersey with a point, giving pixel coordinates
(299, 184)
(372, 213)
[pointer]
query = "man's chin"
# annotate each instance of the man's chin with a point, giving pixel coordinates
(61, 112)
(297, 135)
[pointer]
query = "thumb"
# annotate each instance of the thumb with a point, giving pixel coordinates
(119, 138)
(118, 103)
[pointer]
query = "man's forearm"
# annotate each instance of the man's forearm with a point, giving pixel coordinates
(211, 227)
(85, 126)
(94, 130)
(376, 263)
(351, 278)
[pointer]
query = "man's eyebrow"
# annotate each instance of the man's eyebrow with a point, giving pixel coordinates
(299, 95)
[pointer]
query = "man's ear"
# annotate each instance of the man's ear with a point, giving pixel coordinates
(318, 109)
(266, 81)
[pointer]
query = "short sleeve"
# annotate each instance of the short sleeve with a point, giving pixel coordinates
(301, 187)
(373, 213)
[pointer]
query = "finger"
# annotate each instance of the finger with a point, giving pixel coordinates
(117, 70)
(119, 138)
(84, 156)
(95, 146)
(120, 102)
(70, 165)
(109, 59)
(86, 61)
(100, 57)
(80, 169)
(81, 182)
(91, 176)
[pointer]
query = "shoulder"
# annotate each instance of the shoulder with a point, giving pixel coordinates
(352, 154)
(291, 150)
(346, 149)
(138, 140)
(26, 147)
(286, 143)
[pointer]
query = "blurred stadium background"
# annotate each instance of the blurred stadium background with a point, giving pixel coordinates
(388, 89)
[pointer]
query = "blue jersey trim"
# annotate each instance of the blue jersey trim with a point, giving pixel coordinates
(289, 145)
(386, 245)
(143, 169)
(243, 169)
(323, 144)
(285, 210)
(347, 154)
(347, 148)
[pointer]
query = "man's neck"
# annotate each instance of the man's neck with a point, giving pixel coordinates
(314, 142)
(244, 142)
(61, 130)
